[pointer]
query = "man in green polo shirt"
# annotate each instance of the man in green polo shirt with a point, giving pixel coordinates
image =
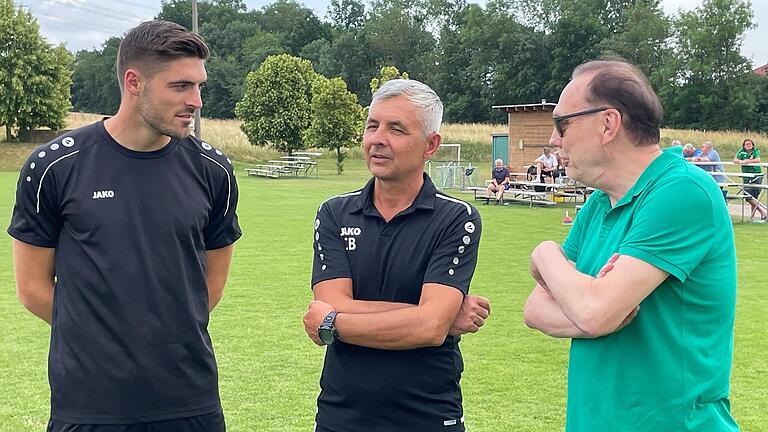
(652, 331)
(749, 154)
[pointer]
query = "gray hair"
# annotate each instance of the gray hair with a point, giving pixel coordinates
(689, 147)
(707, 144)
(430, 109)
(677, 142)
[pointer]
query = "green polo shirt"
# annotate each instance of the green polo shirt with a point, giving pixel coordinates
(668, 370)
(754, 154)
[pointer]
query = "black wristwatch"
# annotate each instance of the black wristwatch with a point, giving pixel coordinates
(327, 330)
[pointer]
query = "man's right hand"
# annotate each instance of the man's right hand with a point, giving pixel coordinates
(472, 315)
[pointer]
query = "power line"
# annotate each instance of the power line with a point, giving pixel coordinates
(81, 24)
(154, 9)
(110, 13)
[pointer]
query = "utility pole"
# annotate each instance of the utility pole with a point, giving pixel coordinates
(198, 127)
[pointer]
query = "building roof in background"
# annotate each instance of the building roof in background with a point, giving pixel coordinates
(762, 70)
(542, 106)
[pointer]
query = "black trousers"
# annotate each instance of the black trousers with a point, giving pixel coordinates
(213, 422)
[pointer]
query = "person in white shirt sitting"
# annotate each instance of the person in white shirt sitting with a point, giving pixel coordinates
(546, 165)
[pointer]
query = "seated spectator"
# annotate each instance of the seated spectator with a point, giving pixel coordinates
(709, 154)
(690, 152)
(675, 142)
(546, 166)
(747, 155)
(500, 179)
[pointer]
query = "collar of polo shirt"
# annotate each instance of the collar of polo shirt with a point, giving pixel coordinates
(425, 200)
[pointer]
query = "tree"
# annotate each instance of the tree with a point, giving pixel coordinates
(94, 79)
(387, 73)
(276, 106)
(338, 119)
(34, 76)
(711, 87)
(643, 40)
(397, 35)
(347, 14)
(296, 24)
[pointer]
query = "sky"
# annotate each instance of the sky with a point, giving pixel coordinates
(86, 24)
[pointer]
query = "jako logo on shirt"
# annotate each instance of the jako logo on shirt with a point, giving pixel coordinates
(347, 233)
(103, 194)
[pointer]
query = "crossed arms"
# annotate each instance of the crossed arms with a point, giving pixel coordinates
(568, 303)
(442, 310)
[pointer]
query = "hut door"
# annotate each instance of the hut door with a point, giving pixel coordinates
(500, 148)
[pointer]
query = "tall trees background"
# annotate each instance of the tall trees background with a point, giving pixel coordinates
(34, 76)
(505, 52)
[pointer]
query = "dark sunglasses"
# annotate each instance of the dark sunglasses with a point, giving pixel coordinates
(560, 119)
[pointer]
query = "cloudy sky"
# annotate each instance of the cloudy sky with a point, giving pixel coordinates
(85, 24)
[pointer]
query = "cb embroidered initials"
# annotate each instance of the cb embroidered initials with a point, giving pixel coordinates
(103, 194)
(347, 234)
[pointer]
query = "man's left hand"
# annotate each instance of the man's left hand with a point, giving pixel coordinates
(472, 315)
(316, 312)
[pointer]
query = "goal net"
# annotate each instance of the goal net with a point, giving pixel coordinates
(447, 170)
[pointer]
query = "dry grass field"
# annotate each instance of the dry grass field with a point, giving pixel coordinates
(475, 139)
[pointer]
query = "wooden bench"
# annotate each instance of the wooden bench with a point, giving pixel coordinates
(515, 195)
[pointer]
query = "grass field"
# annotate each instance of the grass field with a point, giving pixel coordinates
(514, 380)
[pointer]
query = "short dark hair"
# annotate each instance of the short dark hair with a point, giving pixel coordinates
(621, 85)
(152, 44)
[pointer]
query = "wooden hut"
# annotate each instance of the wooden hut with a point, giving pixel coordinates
(530, 126)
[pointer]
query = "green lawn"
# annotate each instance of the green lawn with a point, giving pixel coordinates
(514, 380)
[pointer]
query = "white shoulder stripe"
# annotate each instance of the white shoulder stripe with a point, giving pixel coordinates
(229, 181)
(342, 196)
(447, 198)
(40, 186)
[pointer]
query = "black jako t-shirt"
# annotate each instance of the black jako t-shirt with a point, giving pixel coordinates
(435, 240)
(129, 337)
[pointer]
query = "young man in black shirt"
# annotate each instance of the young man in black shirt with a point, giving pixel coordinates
(392, 269)
(131, 223)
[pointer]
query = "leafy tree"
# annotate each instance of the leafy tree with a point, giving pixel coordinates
(34, 77)
(223, 88)
(760, 86)
(295, 24)
(347, 14)
(218, 11)
(710, 89)
(94, 79)
(642, 40)
(338, 119)
(573, 40)
(488, 58)
(396, 32)
(276, 106)
(387, 73)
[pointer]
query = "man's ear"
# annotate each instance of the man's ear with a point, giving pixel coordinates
(611, 124)
(132, 82)
(433, 142)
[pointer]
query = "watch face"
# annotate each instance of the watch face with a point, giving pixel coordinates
(326, 335)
